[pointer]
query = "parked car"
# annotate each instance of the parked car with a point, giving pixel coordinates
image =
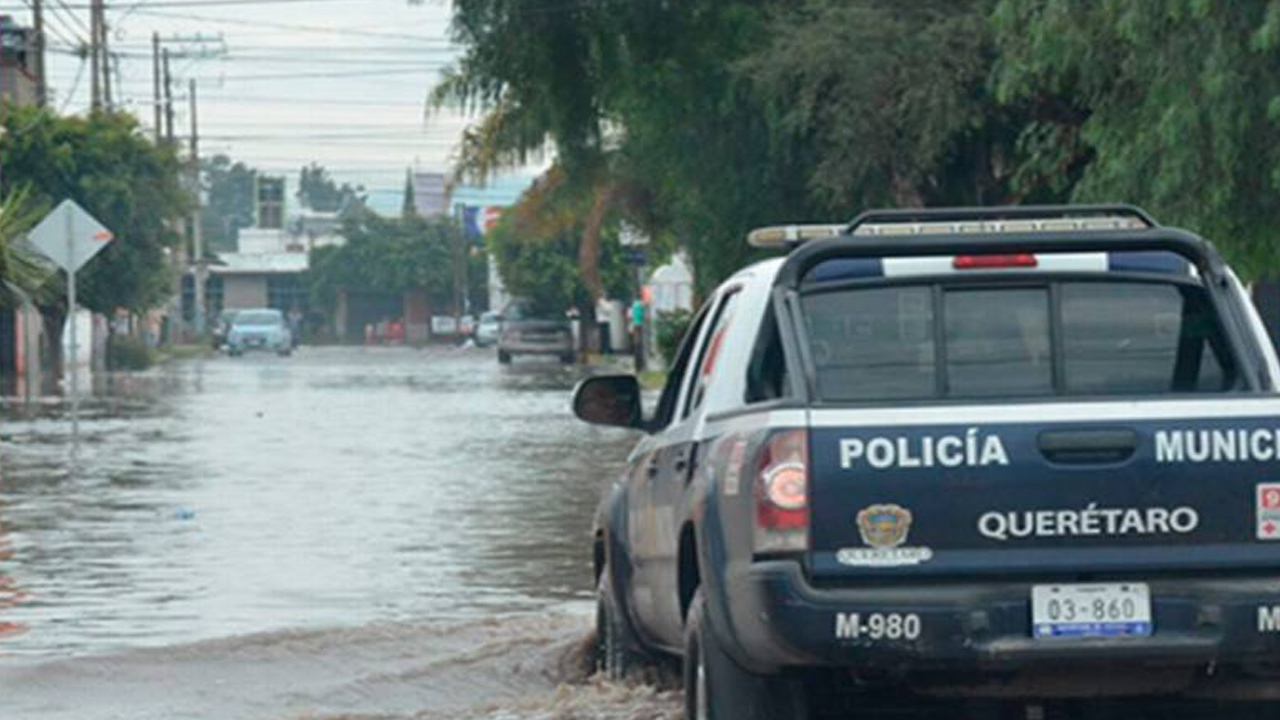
(263, 330)
(221, 327)
(528, 331)
(1016, 453)
(487, 329)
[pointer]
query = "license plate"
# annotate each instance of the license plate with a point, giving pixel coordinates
(1103, 610)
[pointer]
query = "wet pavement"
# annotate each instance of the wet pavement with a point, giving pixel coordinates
(350, 531)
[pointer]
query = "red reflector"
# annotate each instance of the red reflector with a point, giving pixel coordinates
(980, 262)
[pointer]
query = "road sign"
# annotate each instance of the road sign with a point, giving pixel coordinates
(70, 237)
(635, 256)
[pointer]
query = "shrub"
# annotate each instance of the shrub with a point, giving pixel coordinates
(671, 328)
(129, 353)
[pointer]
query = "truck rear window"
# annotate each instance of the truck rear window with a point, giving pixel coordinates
(925, 341)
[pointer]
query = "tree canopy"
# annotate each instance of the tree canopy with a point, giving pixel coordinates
(714, 116)
(535, 247)
(230, 204)
(1179, 104)
(105, 163)
(319, 191)
(22, 272)
(391, 255)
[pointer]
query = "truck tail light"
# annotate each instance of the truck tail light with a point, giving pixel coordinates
(782, 493)
(986, 262)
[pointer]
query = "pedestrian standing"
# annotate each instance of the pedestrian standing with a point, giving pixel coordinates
(637, 332)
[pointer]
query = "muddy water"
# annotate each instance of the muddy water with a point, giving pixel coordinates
(367, 532)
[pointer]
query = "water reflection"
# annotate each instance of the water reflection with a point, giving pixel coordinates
(339, 487)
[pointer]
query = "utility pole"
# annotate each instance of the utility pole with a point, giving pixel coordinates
(42, 83)
(197, 213)
(155, 84)
(95, 50)
(106, 53)
(168, 98)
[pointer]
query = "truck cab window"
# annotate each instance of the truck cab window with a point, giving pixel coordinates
(666, 408)
(767, 377)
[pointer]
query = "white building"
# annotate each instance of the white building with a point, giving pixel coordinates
(268, 266)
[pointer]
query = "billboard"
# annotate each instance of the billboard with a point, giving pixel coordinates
(430, 194)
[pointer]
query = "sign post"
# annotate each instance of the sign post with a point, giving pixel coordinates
(71, 237)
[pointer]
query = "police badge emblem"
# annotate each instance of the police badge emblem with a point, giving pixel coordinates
(884, 526)
(884, 529)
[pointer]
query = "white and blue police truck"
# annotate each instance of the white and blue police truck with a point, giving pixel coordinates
(1025, 456)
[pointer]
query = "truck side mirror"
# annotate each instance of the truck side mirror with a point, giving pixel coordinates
(609, 400)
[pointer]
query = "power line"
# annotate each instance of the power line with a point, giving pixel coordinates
(399, 135)
(74, 17)
(328, 74)
(55, 14)
(319, 29)
(190, 3)
(293, 48)
(241, 99)
(75, 85)
(53, 29)
(326, 60)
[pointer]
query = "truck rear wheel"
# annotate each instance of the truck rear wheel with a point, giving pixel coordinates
(717, 688)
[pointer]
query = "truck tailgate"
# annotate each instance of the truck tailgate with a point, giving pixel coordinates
(1059, 488)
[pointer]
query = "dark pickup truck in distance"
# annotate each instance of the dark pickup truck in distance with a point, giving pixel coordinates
(1027, 456)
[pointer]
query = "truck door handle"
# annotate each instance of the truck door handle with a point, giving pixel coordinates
(1088, 447)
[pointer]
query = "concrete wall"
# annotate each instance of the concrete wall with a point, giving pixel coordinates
(241, 292)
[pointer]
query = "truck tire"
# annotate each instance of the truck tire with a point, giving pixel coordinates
(717, 688)
(618, 650)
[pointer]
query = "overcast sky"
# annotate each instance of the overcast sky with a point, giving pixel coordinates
(340, 82)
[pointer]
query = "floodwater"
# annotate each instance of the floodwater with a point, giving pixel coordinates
(382, 533)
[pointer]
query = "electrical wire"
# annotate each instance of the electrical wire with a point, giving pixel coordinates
(75, 85)
(189, 3)
(74, 17)
(328, 74)
(318, 29)
(266, 59)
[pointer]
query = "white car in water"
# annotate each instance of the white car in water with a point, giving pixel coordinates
(263, 330)
(487, 330)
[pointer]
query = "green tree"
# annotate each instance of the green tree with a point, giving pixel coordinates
(890, 99)
(105, 163)
(645, 113)
(408, 204)
(22, 272)
(391, 255)
(230, 201)
(319, 191)
(1178, 107)
(536, 248)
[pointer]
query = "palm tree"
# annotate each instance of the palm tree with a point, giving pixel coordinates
(23, 274)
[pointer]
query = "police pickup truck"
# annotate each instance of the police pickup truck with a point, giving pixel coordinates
(1016, 453)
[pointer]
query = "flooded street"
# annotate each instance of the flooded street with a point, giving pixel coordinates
(373, 532)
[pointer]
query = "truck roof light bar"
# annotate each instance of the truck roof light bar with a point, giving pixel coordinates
(998, 220)
(778, 237)
(995, 227)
